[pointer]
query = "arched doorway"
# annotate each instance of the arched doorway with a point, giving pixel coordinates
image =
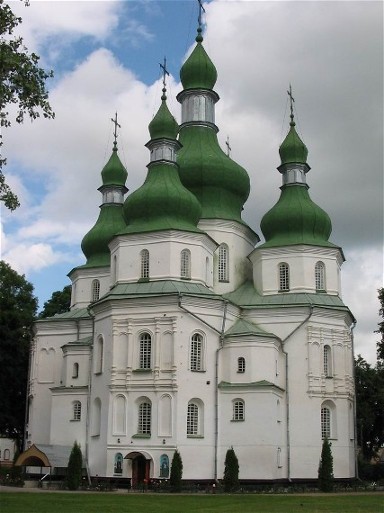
(141, 467)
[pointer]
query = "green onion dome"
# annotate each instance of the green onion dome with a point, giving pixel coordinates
(293, 149)
(296, 219)
(114, 173)
(198, 71)
(220, 184)
(163, 125)
(162, 202)
(95, 243)
(111, 219)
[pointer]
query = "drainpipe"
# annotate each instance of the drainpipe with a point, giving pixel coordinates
(354, 404)
(221, 337)
(87, 420)
(287, 390)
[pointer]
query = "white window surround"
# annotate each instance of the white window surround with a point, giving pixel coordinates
(241, 365)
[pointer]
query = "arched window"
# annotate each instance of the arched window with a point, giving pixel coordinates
(164, 466)
(283, 277)
(95, 290)
(193, 419)
(99, 355)
(238, 409)
(327, 361)
(145, 351)
(185, 264)
(196, 353)
(279, 457)
(96, 417)
(320, 276)
(118, 467)
(144, 256)
(7, 454)
(75, 370)
(76, 410)
(325, 422)
(223, 263)
(241, 364)
(144, 421)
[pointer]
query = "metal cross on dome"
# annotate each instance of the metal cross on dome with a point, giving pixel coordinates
(228, 147)
(201, 10)
(114, 121)
(291, 98)
(165, 71)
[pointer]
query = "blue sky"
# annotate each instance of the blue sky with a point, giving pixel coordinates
(106, 55)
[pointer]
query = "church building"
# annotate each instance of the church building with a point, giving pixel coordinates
(188, 333)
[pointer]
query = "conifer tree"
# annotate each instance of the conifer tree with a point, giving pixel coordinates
(176, 472)
(231, 471)
(75, 465)
(326, 467)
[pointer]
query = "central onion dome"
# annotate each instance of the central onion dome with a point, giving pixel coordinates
(220, 184)
(162, 202)
(295, 219)
(110, 220)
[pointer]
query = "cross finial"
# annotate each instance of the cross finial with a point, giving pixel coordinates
(292, 100)
(201, 10)
(114, 121)
(165, 72)
(228, 147)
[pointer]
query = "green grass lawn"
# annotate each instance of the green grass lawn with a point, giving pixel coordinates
(158, 503)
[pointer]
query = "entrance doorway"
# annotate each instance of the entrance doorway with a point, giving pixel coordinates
(140, 471)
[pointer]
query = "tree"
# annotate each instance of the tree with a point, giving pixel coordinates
(22, 82)
(18, 308)
(176, 472)
(231, 471)
(369, 382)
(326, 467)
(380, 343)
(60, 302)
(75, 465)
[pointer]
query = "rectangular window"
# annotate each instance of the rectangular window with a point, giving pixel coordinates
(144, 427)
(196, 352)
(193, 419)
(238, 410)
(325, 423)
(145, 351)
(283, 277)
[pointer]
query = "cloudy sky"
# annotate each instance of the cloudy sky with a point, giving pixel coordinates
(106, 55)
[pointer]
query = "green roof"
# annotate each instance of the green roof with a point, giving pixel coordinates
(220, 184)
(296, 219)
(243, 328)
(75, 313)
(114, 173)
(156, 288)
(163, 125)
(292, 149)
(247, 296)
(198, 71)
(95, 242)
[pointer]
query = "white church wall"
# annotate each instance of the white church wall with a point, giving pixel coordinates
(83, 285)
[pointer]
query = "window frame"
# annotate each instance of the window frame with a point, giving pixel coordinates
(144, 421)
(76, 411)
(95, 293)
(185, 264)
(193, 419)
(241, 365)
(327, 361)
(320, 276)
(144, 264)
(145, 351)
(284, 278)
(223, 263)
(196, 352)
(238, 410)
(326, 422)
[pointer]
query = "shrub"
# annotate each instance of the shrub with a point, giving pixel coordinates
(75, 465)
(326, 467)
(176, 472)
(231, 471)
